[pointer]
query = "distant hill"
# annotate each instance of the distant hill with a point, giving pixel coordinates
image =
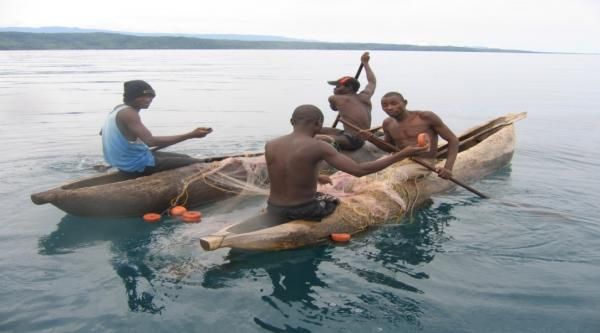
(204, 36)
(116, 41)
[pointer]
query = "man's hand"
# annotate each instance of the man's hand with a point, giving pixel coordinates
(324, 179)
(414, 150)
(200, 132)
(443, 172)
(365, 58)
(365, 134)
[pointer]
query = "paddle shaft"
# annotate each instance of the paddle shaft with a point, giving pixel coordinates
(337, 118)
(204, 160)
(416, 160)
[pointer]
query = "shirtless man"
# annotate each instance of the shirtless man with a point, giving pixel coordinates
(293, 167)
(126, 141)
(352, 106)
(402, 127)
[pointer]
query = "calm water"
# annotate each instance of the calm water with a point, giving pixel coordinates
(461, 264)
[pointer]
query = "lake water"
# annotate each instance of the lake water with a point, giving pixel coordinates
(461, 264)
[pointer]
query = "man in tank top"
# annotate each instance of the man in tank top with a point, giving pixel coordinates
(126, 141)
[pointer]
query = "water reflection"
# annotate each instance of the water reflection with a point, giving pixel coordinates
(376, 277)
(293, 276)
(380, 270)
(129, 239)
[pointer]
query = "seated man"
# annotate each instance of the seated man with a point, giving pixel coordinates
(126, 141)
(293, 166)
(402, 127)
(352, 106)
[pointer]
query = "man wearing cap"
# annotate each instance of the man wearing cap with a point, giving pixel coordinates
(353, 107)
(126, 141)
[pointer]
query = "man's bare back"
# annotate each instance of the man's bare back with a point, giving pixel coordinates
(352, 106)
(293, 161)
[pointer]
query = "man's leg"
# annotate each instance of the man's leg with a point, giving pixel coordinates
(168, 160)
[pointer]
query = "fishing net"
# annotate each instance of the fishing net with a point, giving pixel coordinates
(243, 176)
(372, 199)
(381, 197)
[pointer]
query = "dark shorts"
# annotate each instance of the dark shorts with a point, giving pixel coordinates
(315, 210)
(355, 141)
(166, 161)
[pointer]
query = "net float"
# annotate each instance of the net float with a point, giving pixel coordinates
(191, 216)
(151, 217)
(422, 139)
(178, 210)
(342, 237)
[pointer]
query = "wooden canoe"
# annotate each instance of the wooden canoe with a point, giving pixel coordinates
(115, 194)
(380, 197)
(118, 195)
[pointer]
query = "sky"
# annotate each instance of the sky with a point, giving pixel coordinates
(536, 25)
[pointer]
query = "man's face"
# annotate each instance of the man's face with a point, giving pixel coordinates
(394, 106)
(341, 89)
(143, 102)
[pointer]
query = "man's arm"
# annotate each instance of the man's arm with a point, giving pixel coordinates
(366, 134)
(442, 130)
(333, 102)
(135, 127)
(346, 164)
(371, 80)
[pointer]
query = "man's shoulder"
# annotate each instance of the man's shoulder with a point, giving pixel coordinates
(126, 111)
(424, 114)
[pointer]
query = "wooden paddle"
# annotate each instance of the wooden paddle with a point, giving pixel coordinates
(337, 118)
(102, 168)
(375, 140)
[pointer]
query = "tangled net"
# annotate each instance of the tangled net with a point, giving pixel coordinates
(383, 196)
(249, 178)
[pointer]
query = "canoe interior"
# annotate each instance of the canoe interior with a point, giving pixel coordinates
(477, 134)
(111, 178)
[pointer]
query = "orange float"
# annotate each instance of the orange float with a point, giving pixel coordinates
(151, 217)
(191, 216)
(342, 237)
(178, 210)
(422, 139)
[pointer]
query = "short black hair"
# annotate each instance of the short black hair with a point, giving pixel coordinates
(306, 113)
(136, 88)
(393, 93)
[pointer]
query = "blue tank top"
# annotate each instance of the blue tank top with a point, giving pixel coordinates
(121, 153)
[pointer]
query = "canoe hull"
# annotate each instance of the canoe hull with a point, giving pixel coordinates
(114, 195)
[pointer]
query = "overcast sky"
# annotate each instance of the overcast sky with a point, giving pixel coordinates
(539, 25)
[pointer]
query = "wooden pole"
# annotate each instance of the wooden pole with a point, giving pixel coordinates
(376, 140)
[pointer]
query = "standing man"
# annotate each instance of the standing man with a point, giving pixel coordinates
(352, 106)
(402, 127)
(293, 166)
(126, 141)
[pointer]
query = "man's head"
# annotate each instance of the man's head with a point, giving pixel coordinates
(307, 115)
(394, 104)
(135, 89)
(345, 85)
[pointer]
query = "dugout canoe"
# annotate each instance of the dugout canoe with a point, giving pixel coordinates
(382, 197)
(117, 195)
